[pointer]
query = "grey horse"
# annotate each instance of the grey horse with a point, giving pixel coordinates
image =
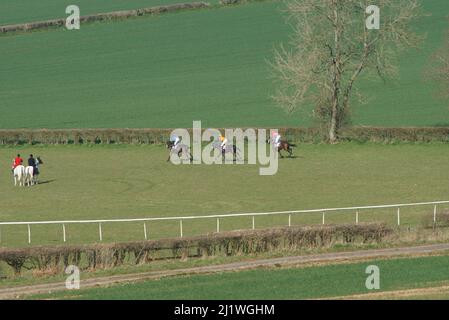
(230, 148)
(181, 150)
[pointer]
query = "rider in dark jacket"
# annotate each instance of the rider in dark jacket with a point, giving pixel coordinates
(32, 162)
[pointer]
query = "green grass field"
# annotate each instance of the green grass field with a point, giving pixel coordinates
(22, 11)
(168, 70)
(211, 65)
(104, 182)
(295, 283)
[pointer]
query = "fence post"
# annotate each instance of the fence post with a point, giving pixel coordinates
(29, 234)
(435, 214)
(323, 217)
(399, 216)
(218, 225)
(289, 220)
(357, 217)
(100, 232)
(145, 230)
(63, 232)
(180, 228)
(0, 235)
(254, 223)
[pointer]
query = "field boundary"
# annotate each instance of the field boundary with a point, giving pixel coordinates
(17, 292)
(236, 243)
(125, 14)
(161, 135)
(395, 294)
(217, 217)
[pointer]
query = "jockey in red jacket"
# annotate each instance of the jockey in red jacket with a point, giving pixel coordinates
(17, 161)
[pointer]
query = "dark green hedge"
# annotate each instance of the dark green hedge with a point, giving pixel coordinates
(125, 14)
(158, 136)
(101, 256)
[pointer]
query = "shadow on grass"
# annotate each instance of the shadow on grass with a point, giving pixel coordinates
(47, 181)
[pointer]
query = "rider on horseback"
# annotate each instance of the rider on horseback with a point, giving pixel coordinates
(276, 138)
(224, 142)
(32, 162)
(17, 162)
(175, 139)
(38, 162)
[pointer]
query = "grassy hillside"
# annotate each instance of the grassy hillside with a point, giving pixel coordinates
(166, 71)
(107, 182)
(21, 11)
(294, 283)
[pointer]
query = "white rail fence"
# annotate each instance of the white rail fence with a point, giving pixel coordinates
(323, 212)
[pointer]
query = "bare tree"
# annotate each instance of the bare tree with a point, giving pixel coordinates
(439, 69)
(332, 46)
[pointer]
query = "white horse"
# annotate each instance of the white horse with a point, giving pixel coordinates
(30, 178)
(19, 175)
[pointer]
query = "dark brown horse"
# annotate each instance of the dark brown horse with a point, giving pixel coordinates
(284, 146)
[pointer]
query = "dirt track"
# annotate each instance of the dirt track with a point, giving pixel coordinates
(16, 292)
(397, 294)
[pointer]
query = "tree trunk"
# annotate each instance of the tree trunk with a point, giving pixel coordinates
(336, 77)
(334, 124)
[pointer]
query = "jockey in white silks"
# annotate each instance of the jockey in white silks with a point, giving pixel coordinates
(276, 138)
(176, 140)
(224, 142)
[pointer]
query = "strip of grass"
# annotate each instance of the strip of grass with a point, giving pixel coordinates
(403, 239)
(293, 283)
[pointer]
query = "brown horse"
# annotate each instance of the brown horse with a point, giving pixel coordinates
(285, 146)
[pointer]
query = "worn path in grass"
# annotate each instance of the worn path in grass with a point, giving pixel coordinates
(438, 292)
(17, 292)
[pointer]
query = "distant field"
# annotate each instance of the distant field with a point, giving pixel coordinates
(21, 11)
(104, 182)
(166, 71)
(295, 283)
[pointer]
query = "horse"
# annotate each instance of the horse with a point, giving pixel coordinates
(19, 175)
(30, 178)
(228, 149)
(36, 170)
(285, 146)
(31, 173)
(181, 150)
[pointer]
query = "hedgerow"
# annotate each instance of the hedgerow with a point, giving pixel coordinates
(159, 136)
(103, 256)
